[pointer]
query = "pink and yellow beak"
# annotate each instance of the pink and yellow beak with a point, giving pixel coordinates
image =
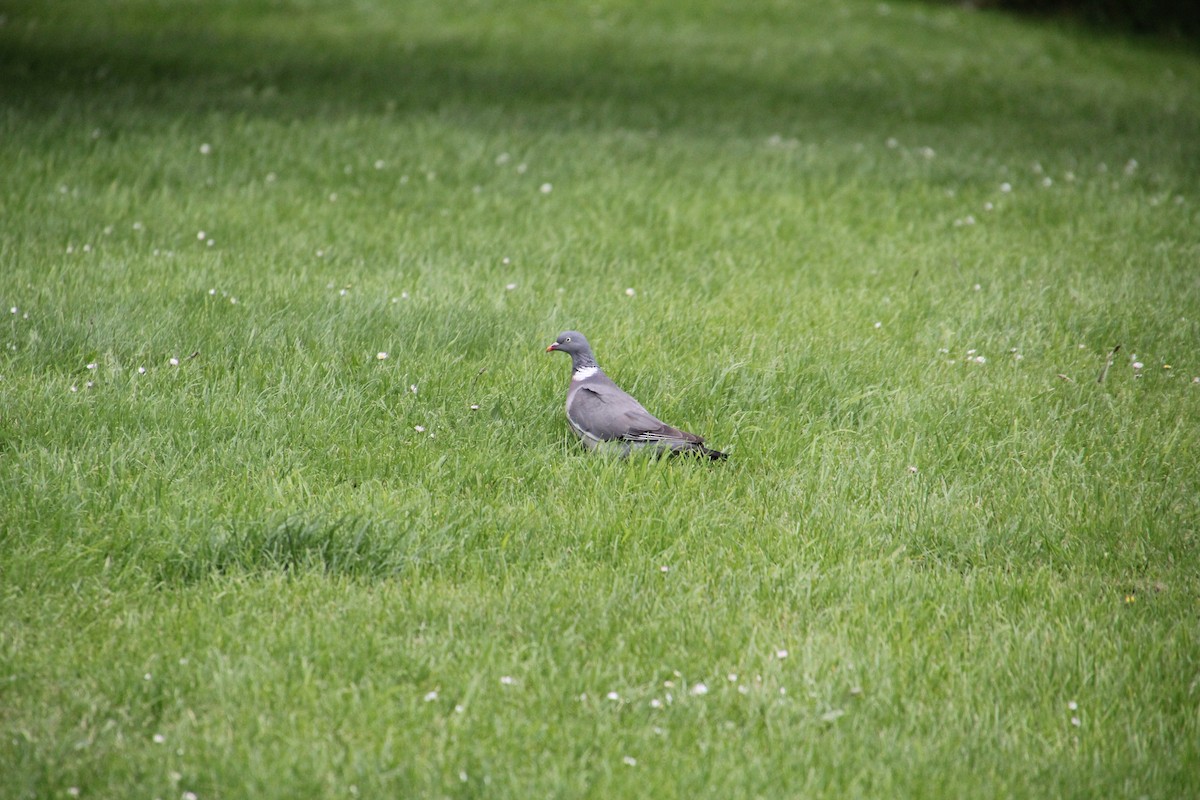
(553, 346)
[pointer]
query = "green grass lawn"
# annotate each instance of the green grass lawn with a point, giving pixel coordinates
(879, 253)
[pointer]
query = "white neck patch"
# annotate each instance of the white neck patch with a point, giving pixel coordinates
(583, 373)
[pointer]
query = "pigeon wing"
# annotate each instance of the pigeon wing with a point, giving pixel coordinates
(603, 410)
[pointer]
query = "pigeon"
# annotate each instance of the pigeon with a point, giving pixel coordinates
(604, 416)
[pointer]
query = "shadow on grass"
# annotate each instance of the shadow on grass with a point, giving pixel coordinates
(865, 87)
(345, 547)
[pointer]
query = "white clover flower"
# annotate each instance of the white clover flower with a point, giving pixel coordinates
(502, 159)
(1006, 187)
(1047, 182)
(421, 429)
(613, 696)
(201, 235)
(141, 370)
(205, 149)
(379, 164)
(1076, 721)
(1073, 706)
(412, 387)
(507, 680)
(913, 469)
(510, 286)
(892, 143)
(381, 355)
(664, 568)
(431, 696)
(732, 677)
(159, 738)
(980, 360)
(174, 362)
(781, 653)
(878, 325)
(474, 406)
(1138, 365)
(630, 761)
(698, 690)
(630, 292)
(546, 188)
(656, 703)
(92, 365)
(333, 197)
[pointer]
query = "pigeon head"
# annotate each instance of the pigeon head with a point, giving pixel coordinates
(576, 346)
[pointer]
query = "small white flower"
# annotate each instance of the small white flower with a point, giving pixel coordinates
(1018, 357)
(141, 370)
(927, 152)
(546, 188)
(988, 206)
(189, 796)
(977, 287)
(412, 387)
(343, 292)
(656, 703)
(781, 653)
(968, 220)
(892, 143)
(205, 149)
(510, 286)
(943, 350)
(506, 261)
(73, 791)
(1131, 166)
(732, 677)
(664, 568)
(878, 325)
(1076, 721)
(1006, 187)
(333, 197)
(698, 690)
(421, 429)
(743, 689)
(972, 351)
(201, 235)
(431, 696)
(1196, 379)
(212, 291)
(980, 360)
(174, 362)
(912, 468)
(458, 709)
(147, 677)
(381, 355)
(92, 365)
(379, 164)
(88, 385)
(521, 168)
(404, 295)
(159, 738)
(630, 292)
(1047, 182)
(233, 301)
(474, 406)
(1037, 168)
(502, 159)
(271, 177)
(630, 761)
(507, 680)
(1073, 706)
(210, 243)
(613, 696)
(1138, 365)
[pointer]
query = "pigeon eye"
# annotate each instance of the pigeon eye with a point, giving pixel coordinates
(566, 340)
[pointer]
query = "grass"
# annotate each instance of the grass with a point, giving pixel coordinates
(248, 574)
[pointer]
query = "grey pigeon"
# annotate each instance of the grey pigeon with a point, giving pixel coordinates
(604, 416)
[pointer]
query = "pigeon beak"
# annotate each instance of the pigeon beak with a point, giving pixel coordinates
(553, 346)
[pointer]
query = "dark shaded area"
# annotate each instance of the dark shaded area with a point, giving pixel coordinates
(1175, 19)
